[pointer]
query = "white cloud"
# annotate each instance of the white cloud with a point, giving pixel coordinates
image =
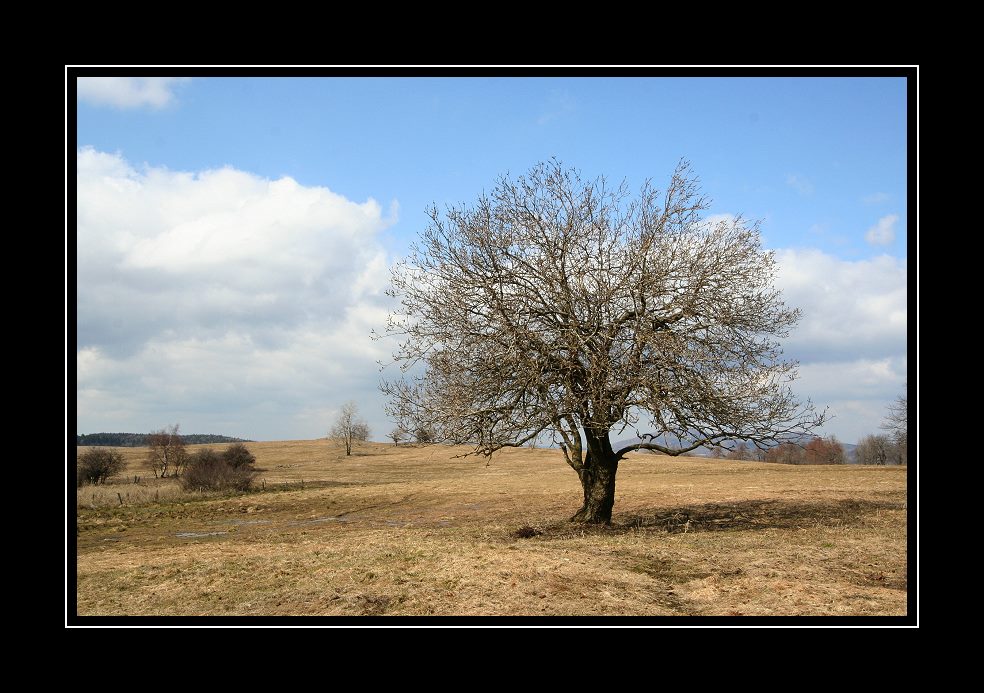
(850, 307)
(851, 341)
(128, 92)
(800, 184)
(222, 299)
(883, 232)
(853, 379)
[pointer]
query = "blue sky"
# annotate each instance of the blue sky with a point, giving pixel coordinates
(264, 212)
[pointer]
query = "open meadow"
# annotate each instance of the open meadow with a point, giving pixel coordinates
(410, 531)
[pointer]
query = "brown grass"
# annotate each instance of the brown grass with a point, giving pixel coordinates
(409, 530)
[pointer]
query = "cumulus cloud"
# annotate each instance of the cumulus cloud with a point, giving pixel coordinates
(800, 184)
(128, 92)
(851, 340)
(883, 232)
(850, 308)
(220, 296)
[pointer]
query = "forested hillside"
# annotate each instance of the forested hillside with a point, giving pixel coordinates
(136, 440)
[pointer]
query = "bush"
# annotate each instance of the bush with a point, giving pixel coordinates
(96, 465)
(238, 456)
(207, 470)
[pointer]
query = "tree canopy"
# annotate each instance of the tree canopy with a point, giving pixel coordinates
(561, 307)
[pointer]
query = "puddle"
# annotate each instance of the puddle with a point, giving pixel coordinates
(240, 523)
(317, 520)
(193, 535)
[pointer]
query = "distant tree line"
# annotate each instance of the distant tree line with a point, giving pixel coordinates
(881, 449)
(817, 451)
(812, 451)
(139, 440)
(893, 446)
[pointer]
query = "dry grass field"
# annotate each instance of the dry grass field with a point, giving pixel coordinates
(408, 531)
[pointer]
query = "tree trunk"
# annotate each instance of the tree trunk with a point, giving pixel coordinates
(598, 481)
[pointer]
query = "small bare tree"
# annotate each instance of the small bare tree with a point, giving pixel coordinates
(397, 434)
(349, 427)
(167, 452)
(897, 425)
(561, 307)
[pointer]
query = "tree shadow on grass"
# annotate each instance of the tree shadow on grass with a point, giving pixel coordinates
(738, 516)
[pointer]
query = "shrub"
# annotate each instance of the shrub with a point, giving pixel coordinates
(238, 456)
(96, 465)
(207, 470)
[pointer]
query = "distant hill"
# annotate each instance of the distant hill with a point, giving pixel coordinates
(139, 440)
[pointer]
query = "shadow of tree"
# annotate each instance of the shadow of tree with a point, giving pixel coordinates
(755, 514)
(738, 516)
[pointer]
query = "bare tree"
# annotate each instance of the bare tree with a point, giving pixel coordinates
(741, 452)
(824, 451)
(167, 451)
(897, 425)
(397, 434)
(785, 453)
(349, 427)
(875, 450)
(562, 307)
